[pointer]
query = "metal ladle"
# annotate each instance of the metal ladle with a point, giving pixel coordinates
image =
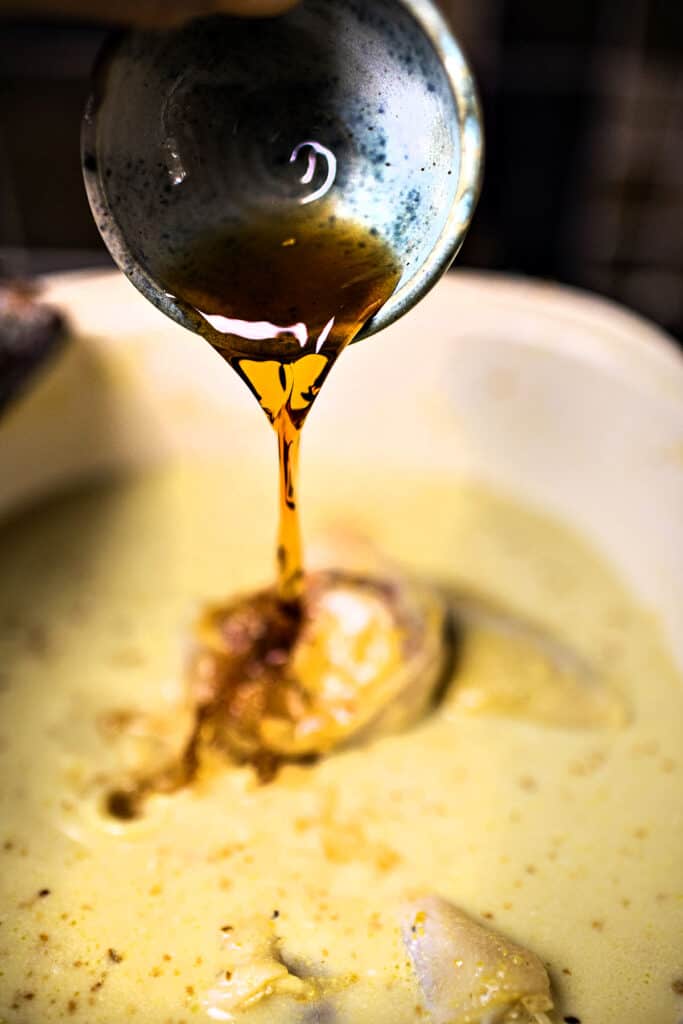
(367, 103)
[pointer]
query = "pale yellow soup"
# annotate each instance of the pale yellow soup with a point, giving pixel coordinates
(552, 814)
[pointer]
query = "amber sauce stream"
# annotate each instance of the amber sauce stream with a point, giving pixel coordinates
(296, 289)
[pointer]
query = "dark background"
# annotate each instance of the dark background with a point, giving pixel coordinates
(583, 102)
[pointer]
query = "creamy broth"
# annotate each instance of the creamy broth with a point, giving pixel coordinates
(561, 830)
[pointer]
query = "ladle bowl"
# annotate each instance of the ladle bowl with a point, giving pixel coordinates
(365, 104)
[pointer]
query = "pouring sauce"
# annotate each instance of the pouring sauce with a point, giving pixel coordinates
(301, 285)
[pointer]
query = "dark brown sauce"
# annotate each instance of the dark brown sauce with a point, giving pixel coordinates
(308, 281)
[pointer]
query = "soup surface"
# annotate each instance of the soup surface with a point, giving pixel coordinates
(543, 795)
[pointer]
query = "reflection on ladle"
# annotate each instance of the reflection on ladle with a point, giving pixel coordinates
(316, 149)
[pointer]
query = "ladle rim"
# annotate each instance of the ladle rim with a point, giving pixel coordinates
(442, 254)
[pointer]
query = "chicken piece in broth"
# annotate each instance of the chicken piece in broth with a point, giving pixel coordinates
(469, 974)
